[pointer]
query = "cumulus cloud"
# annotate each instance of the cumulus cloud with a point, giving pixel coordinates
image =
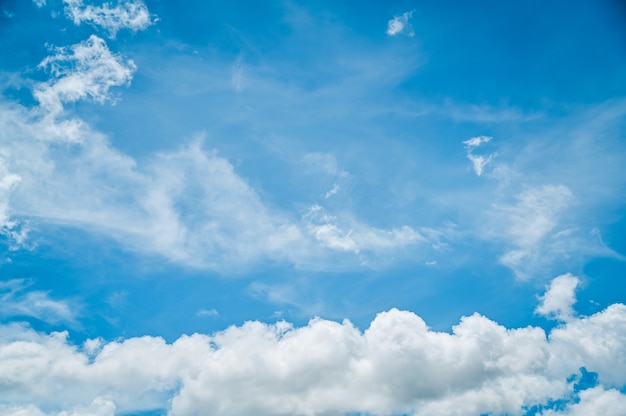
(85, 70)
(133, 15)
(18, 301)
(397, 365)
(400, 24)
(558, 301)
(479, 162)
(40, 3)
(594, 401)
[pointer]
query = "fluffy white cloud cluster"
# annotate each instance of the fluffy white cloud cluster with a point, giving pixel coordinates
(85, 70)
(397, 365)
(133, 15)
(558, 300)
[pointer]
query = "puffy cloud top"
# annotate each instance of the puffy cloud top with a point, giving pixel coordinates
(397, 365)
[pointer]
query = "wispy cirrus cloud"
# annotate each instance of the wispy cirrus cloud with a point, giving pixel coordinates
(188, 205)
(325, 165)
(18, 301)
(207, 312)
(358, 237)
(530, 226)
(538, 210)
(539, 231)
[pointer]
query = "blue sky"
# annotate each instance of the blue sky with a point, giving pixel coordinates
(312, 208)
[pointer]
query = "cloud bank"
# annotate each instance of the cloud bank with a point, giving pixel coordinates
(397, 365)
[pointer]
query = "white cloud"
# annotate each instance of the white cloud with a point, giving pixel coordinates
(477, 141)
(397, 365)
(85, 70)
(188, 205)
(359, 237)
(14, 231)
(207, 312)
(332, 191)
(400, 24)
(558, 301)
(99, 407)
(531, 228)
(18, 301)
(133, 15)
(588, 341)
(595, 401)
(536, 212)
(544, 227)
(40, 3)
(479, 162)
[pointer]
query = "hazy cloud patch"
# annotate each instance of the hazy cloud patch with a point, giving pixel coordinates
(401, 25)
